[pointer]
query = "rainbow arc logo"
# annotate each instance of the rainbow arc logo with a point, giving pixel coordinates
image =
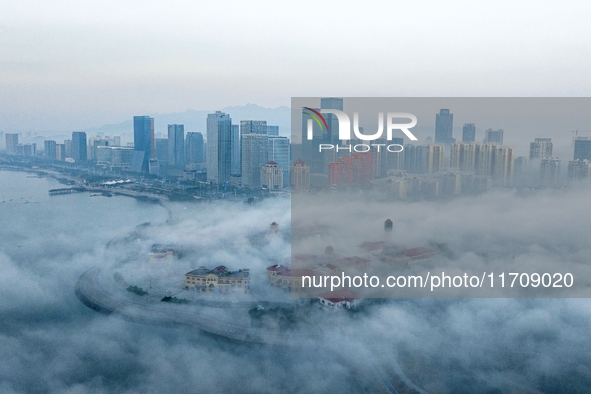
(317, 116)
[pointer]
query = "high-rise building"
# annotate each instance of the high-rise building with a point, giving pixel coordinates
(219, 147)
(49, 149)
(60, 152)
(94, 144)
(493, 136)
(434, 158)
(503, 166)
(194, 148)
(272, 130)
(115, 156)
(79, 151)
(352, 171)
(253, 127)
(519, 170)
(541, 148)
(161, 145)
(579, 169)
(154, 167)
(236, 151)
(272, 176)
(254, 155)
(463, 156)
(279, 152)
(176, 146)
(415, 159)
(582, 149)
(143, 142)
(68, 148)
(550, 171)
(485, 159)
(444, 122)
(469, 132)
(11, 143)
(28, 149)
(300, 175)
(331, 119)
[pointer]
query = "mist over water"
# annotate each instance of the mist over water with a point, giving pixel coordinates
(50, 342)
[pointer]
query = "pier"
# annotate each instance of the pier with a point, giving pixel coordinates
(69, 190)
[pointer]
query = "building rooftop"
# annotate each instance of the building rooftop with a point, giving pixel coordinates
(220, 271)
(339, 295)
(354, 261)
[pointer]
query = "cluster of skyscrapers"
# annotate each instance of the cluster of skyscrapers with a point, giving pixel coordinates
(253, 154)
(466, 166)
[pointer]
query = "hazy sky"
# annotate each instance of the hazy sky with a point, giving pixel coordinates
(72, 64)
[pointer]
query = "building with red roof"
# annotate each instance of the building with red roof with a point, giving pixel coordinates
(342, 298)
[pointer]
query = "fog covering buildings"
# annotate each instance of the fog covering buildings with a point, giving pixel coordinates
(57, 344)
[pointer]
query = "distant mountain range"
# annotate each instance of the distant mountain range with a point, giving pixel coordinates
(196, 120)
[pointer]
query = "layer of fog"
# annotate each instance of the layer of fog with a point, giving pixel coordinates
(50, 342)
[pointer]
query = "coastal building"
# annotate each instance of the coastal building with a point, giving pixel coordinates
(79, 148)
(176, 146)
(272, 176)
(11, 143)
(287, 278)
(219, 147)
(218, 279)
(143, 142)
(341, 298)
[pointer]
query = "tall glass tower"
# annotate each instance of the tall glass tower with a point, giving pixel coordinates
(219, 147)
(444, 123)
(176, 145)
(143, 142)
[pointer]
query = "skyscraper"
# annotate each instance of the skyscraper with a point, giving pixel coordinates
(415, 159)
(79, 152)
(469, 132)
(582, 149)
(503, 166)
(444, 122)
(143, 142)
(279, 152)
(194, 148)
(579, 169)
(49, 149)
(493, 136)
(541, 148)
(236, 151)
(550, 171)
(219, 147)
(434, 158)
(60, 152)
(463, 156)
(11, 143)
(519, 170)
(68, 148)
(253, 127)
(254, 155)
(176, 146)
